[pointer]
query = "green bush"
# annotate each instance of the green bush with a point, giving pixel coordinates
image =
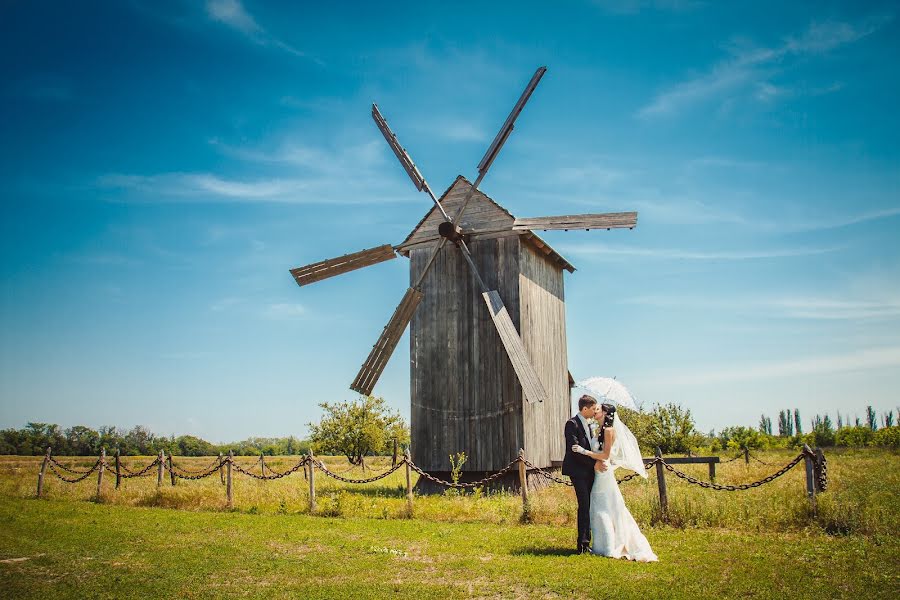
(854, 437)
(889, 437)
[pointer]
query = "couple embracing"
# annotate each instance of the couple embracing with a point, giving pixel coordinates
(597, 442)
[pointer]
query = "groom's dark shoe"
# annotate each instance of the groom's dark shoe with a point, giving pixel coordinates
(584, 549)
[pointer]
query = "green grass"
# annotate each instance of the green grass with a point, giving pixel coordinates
(63, 549)
(861, 498)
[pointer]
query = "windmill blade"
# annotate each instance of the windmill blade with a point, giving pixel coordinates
(528, 378)
(405, 159)
(381, 352)
(342, 264)
(531, 384)
(399, 151)
(507, 128)
(498, 142)
(621, 220)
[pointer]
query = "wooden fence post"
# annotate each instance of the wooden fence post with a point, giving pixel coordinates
(221, 469)
(312, 483)
(808, 458)
(228, 495)
(409, 491)
(661, 482)
(746, 455)
(159, 469)
(40, 488)
(262, 464)
(118, 468)
(712, 471)
(171, 470)
(523, 482)
(100, 471)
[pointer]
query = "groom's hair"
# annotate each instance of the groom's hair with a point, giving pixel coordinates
(586, 401)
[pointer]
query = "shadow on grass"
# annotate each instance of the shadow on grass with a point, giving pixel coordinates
(544, 551)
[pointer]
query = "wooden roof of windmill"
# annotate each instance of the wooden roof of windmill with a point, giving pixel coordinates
(484, 218)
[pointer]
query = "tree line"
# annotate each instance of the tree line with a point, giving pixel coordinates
(366, 426)
(34, 438)
(671, 428)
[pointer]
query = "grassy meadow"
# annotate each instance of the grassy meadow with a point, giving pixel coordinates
(757, 543)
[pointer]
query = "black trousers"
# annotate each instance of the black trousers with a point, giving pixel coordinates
(583, 495)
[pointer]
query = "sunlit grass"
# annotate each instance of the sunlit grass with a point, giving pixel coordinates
(861, 498)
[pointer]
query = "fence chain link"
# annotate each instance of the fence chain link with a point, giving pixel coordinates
(321, 466)
(733, 488)
(822, 474)
(275, 474)
(142, 472)
(214, 468)
(456, 485)
(215, 464)
(70, 469)
(52, 464)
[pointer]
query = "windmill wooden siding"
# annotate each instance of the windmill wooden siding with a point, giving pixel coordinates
(465, 396)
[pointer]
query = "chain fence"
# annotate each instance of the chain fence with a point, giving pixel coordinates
(733, 488)
(817, 483)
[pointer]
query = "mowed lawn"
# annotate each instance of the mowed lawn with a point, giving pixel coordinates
(65, 549)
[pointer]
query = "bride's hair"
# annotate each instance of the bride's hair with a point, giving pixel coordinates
(610, 411)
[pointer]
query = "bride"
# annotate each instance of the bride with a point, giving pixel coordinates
(613, 529)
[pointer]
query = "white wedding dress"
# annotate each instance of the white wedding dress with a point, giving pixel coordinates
(615, 532)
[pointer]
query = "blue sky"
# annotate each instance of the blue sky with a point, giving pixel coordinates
(164, 164)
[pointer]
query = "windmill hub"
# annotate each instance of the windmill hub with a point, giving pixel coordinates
(450, 231)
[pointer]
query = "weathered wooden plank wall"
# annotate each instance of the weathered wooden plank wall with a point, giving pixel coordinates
(464, 393)
(543, 330)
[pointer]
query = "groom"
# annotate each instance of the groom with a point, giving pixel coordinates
(580, 468)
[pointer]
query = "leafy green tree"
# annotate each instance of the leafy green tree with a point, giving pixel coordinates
(871, 418)
(734, 438)
(797, 426)
(357, 428)
(671, 428)
(888, 437)
(853, 437)
(822, 433)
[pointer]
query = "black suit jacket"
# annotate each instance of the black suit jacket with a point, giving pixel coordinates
(577, 465)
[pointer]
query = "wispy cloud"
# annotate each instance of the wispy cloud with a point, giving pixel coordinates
(323, 179)
(285, 311)
(750, 70)
(858, 360)
(232, 13)
(800, 224)
(613, 252)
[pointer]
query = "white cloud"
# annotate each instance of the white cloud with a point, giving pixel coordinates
(284, 311)
(233, 14)
(749, 70)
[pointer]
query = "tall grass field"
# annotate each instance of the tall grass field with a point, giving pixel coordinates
(180, 541)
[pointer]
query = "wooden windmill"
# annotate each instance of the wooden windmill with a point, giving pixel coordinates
(489, 371)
